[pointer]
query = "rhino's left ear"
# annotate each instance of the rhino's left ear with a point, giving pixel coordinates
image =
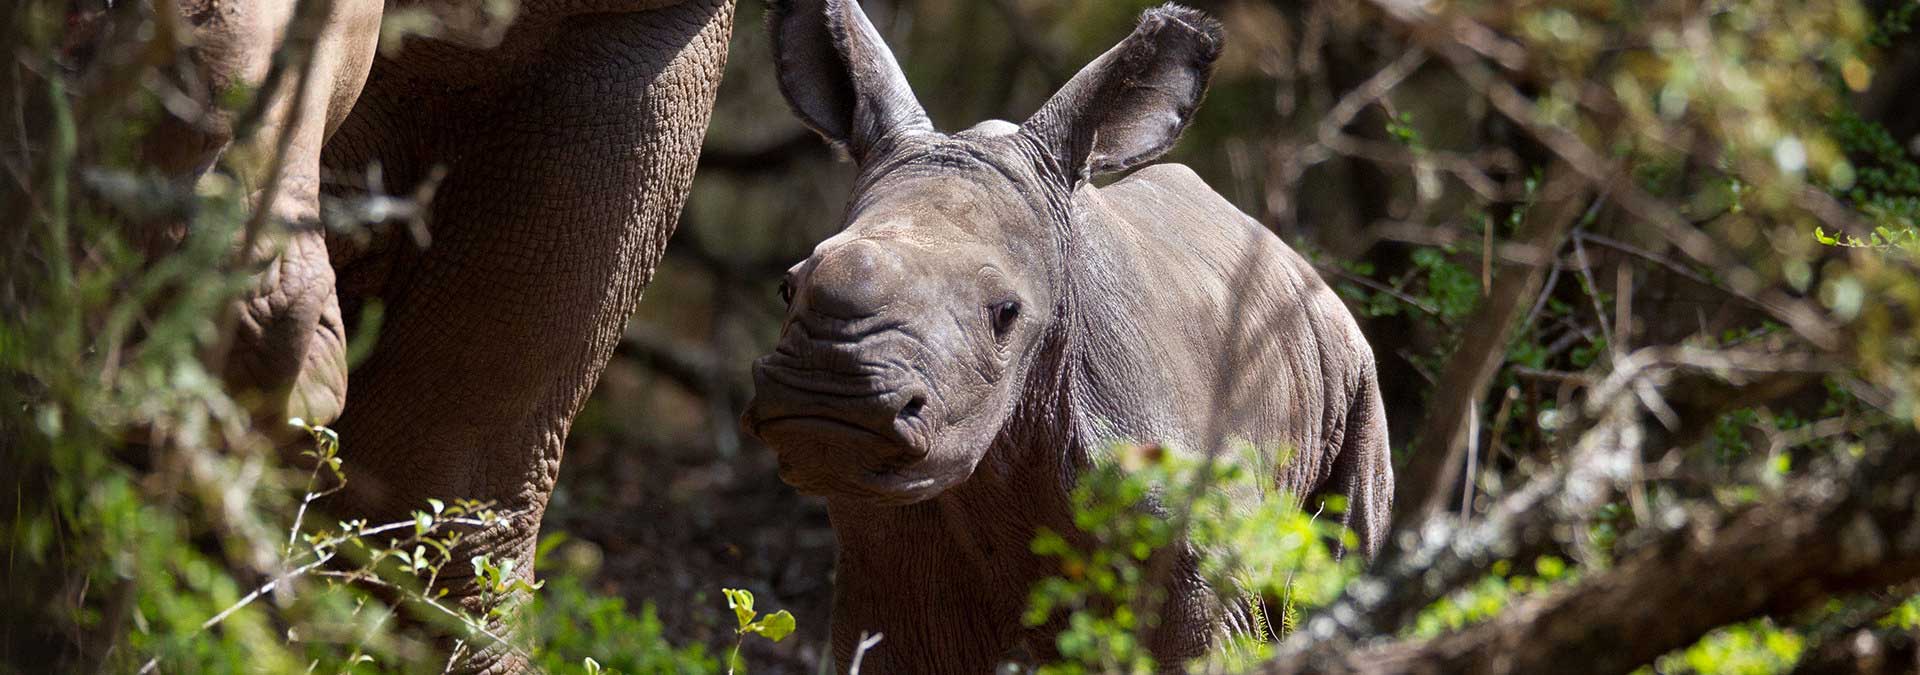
(1130, 105)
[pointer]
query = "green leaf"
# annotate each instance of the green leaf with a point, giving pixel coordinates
(1781, 464)
(592, 666)
(776, 626)
(741, 602)
(1549, 567)
(438, 506)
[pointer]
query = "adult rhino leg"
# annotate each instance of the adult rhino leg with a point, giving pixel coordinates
(286, 353)
(556, 205)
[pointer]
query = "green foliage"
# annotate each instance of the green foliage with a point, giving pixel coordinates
(1729, 441)
(1898, 21)
(1752, 648)
(1491, 595)
(1880, 237)
(149, 514)
(1906, 616)
(1259, 552)
(576, 628)
(1453, 289)
(1883, 183)
(1400, 128)
(776, 626)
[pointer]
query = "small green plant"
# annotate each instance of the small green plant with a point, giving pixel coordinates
(776, 626)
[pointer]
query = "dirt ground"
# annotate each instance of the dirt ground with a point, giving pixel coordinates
(676, 516)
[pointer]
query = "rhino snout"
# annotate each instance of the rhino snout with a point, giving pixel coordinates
(838, 433)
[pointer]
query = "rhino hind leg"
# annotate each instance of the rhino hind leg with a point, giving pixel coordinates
(1363, 471)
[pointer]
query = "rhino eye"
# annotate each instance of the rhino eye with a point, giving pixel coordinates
(1004, 315)
(786, 292)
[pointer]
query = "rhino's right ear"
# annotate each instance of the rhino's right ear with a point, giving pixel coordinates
(840, 77)
(1130, 105)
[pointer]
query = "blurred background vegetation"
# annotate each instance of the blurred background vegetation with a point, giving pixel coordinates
(1717, 175)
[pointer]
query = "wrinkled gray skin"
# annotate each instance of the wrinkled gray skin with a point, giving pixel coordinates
(568, 145)
(988, 321)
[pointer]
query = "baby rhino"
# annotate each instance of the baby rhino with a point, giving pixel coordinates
(989, 321)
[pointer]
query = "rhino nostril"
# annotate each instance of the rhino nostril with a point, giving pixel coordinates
(913, 406)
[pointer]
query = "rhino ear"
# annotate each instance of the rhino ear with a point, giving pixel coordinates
(1130, 105)
(840, 77)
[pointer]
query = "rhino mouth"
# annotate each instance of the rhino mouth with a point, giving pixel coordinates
(822, 421)
(825, 456)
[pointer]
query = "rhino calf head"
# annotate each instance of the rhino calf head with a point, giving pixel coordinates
(911, 336)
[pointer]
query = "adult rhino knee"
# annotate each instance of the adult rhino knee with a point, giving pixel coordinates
(987, 320)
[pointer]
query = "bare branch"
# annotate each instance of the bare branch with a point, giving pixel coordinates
(1865, 520)
(1424, 484)
(1429, 561)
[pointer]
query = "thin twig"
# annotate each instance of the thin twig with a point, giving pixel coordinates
(867, 642)
(1373, 89)
(462, 617)
(453, 655)
(323, 551)
(244, 601)
(1670, 264)
(1593, 291)
(1473, 461)
(1395, 293)
(299, 516)
(1546, 293)
(1508, 252)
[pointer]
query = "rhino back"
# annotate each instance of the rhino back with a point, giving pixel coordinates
(1225, 322)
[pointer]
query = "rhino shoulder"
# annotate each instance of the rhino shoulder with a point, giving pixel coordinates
(1167, 173)
(1171, 205)
(1171, 185)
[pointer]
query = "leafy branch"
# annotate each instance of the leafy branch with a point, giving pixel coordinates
(776, 626)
